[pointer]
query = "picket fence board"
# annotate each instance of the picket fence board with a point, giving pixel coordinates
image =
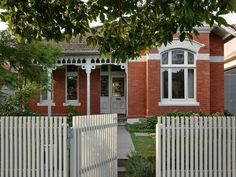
(195, 146)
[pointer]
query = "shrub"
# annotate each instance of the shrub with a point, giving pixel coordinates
(14, 112)
(188, 114)
(71, 111)
(140, 166)
(151, 122)
(227, 113)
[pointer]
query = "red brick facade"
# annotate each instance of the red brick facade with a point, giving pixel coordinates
(144, 92)
(137, 89)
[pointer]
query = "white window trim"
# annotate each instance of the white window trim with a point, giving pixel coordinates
(178, 102)
(45, 102)
(193, 46)
(72, 102)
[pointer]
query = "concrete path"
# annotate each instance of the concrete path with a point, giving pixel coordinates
(125, 144)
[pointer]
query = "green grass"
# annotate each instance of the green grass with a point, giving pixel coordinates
(144, 145)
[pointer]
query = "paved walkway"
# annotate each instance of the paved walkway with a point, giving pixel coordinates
(125, 144)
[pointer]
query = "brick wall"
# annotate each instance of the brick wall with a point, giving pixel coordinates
(153, 87)
(217, 87)
(95, 91)
(203, 85)
(137, 89)
(217, 45)
(217, 74)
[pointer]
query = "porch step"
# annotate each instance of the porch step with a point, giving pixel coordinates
(122, 119)
(121, 167)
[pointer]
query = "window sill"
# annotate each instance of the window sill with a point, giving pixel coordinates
(178, 103)
(72, 103)
(45, 104)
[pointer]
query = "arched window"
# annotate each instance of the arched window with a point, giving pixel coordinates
(178, 77)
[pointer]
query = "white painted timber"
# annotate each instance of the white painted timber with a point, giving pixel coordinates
(186, 44)
(26, 146)
(200, 146)
(38, 146)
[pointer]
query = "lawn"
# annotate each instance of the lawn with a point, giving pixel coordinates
(144, 145)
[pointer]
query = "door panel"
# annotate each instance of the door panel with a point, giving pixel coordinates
(113, 90)
(118, 95)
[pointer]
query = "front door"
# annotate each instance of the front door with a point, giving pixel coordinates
(118, 95)
(113, 90)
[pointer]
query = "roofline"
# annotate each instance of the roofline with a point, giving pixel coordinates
(231, 32)
(229, 68)
(230, 58)
(81, 51)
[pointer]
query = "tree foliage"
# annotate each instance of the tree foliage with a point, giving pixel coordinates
(23, 69)
(129, 26)
(26, 60)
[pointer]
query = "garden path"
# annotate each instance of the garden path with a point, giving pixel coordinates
(125, 144)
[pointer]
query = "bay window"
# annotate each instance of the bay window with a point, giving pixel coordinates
(178, 78)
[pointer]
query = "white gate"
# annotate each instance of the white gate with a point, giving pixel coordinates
(94, 146)
(196, 147)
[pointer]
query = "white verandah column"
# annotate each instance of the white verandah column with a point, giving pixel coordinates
(88, 72)
(88, 68)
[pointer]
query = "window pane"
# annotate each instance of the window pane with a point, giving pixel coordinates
(44, 95)
(178, 57)
(178, 83)
(165, 83)
(165, 58)
(116, 68)
(72, 88)
(190, 58)
(118, 87)
(104, 86)
(190, 83)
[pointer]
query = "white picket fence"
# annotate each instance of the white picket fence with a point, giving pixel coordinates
(196, 147)
(47, 147)
(94, 146)
(33, 147)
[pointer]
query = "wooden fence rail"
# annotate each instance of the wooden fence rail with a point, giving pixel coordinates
(196, 147)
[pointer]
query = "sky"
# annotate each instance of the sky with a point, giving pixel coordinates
(230, 18)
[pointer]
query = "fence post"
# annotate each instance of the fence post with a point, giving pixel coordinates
(158, 149)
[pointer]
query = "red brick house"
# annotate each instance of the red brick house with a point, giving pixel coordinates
(181, 76)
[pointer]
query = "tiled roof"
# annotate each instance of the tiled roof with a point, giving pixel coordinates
(77, 45)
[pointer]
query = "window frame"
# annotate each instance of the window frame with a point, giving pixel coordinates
(186, 101)
(72, 102)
